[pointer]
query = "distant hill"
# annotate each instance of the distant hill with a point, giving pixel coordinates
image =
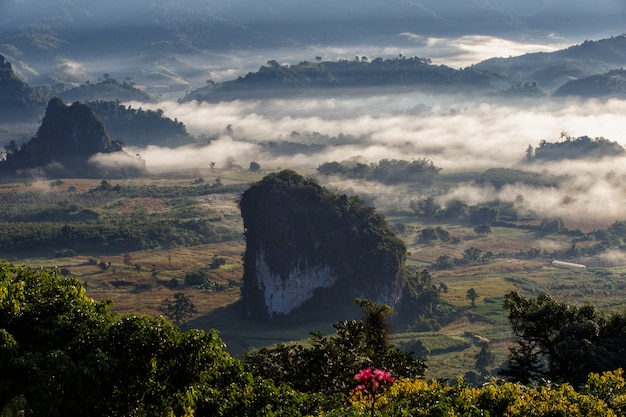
(611, 84)
(574, 148)
(71, 142)
(137, 127)
(552, 70)
(337, 77)
(108, 89)
(152, 41)
(18, 101)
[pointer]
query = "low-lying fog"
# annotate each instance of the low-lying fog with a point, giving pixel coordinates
(458, 136)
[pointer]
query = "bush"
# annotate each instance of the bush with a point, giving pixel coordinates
(196, 278)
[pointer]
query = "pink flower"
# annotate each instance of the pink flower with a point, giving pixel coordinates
(364, 375)
(383, 376)
(370, 382)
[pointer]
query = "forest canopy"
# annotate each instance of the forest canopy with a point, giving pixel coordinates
(62, 353)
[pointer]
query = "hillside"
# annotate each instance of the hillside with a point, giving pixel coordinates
(610, 84)
(108, 89)
(360, 76)
(137, 127)
(552, 70)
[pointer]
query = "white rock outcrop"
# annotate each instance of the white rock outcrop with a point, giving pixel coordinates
(283, 295)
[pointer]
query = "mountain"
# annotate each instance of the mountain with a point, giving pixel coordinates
(357, 76)
(311, 250)
(611, 84)
(137, 127)
(551, 70)
(71, 142)
(18, 101)
(109, 90)
(174, 41)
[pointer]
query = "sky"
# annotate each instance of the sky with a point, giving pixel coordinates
(248, 33)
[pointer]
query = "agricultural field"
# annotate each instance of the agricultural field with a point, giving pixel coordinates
(197, 219)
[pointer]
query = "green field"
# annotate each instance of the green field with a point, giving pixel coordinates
(139, 280)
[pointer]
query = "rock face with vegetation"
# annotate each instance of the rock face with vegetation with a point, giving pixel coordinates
(18, 101)
(137, 127)
(308, 248)
(69, 143)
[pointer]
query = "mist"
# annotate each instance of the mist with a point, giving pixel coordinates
(458, 136)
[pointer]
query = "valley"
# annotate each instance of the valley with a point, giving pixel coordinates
(137, 281)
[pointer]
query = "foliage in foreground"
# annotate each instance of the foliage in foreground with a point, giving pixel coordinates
(604, 395)
(562, 343)
(62, 354)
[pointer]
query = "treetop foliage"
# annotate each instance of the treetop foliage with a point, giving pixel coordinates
(108, 89)
(62, 353)
(415, 72)
(560, 342)
(574, 148)
(386, 171)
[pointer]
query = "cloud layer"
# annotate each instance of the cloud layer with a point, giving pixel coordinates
(458, 136)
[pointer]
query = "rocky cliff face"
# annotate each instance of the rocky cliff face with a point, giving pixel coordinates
(71, 142)
(310, 249)
(282, 296)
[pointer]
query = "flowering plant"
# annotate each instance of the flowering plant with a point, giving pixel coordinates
(371, 382)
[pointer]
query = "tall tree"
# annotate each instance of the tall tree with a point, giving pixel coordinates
(179, 308)
(560, 342)
(472, 295)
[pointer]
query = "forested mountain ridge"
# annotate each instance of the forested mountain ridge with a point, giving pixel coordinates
(138, 127)
(134, 127)
(610, 84)
(310, 78)
(67, 140)
(591, 69)
(18, 101)
(109, 89)
(553, 69)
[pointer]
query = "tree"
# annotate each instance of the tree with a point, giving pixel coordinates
(179, 309)
(483, 229)
(560, 342)
(254, 167)
(472, 254)
(217, 261)
(485, 358)
(62, 353)
(196, 278)
(472, 295)
(328, 364)
(552, 225)
(444, 262)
